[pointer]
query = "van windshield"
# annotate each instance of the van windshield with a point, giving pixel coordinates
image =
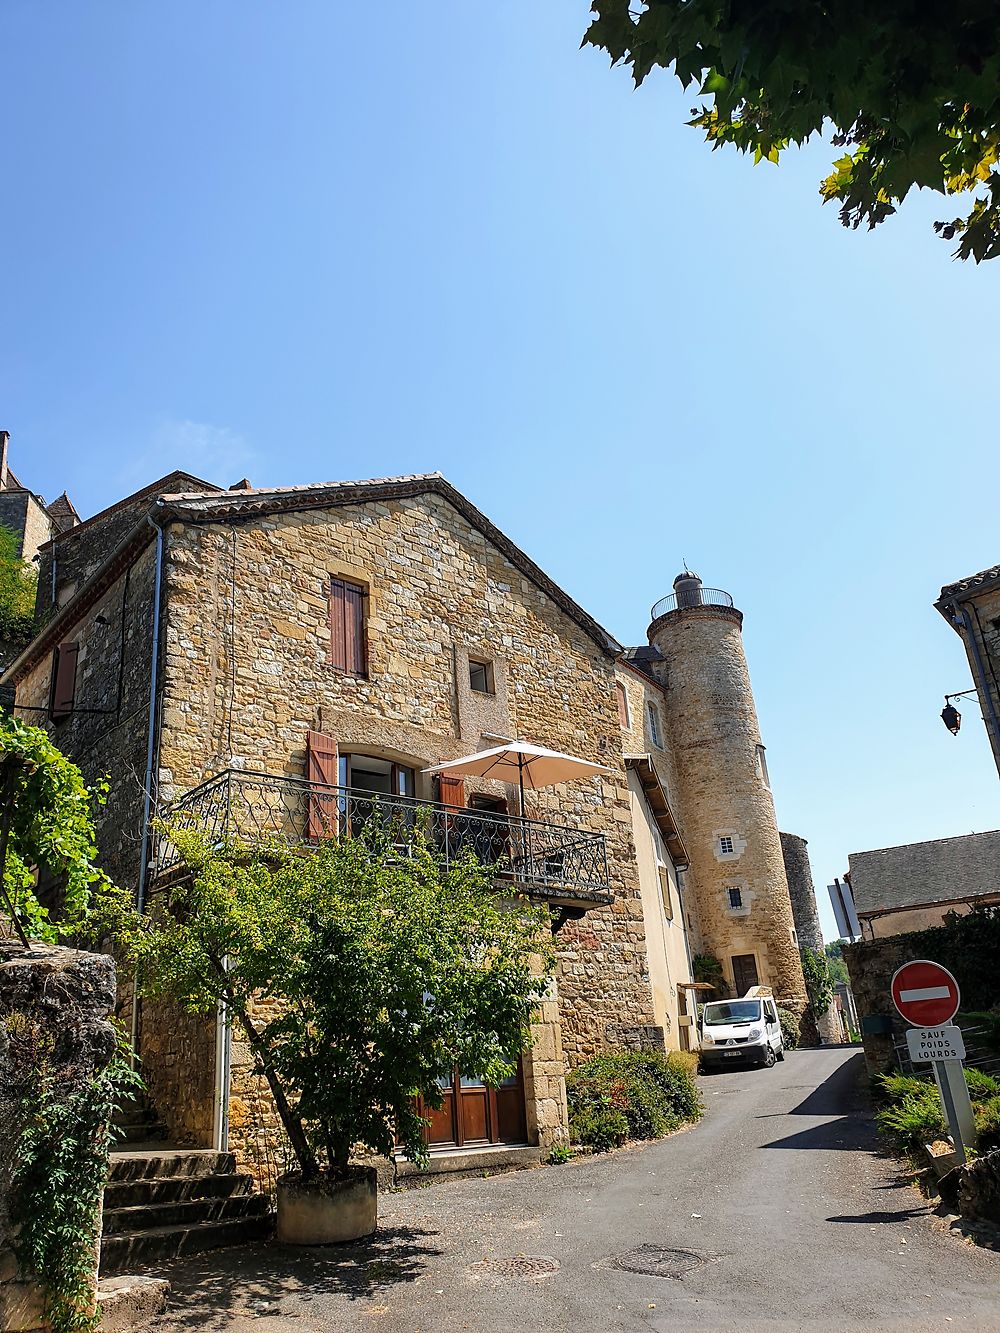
(732, 1011)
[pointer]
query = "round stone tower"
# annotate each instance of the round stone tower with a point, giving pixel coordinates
(723, 794)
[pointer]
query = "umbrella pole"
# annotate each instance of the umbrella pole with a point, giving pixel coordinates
(524, 827)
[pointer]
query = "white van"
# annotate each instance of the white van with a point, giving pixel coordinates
(747, 1029)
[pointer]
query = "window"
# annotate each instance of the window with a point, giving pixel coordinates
(762, 766)
(347, 627)
(62, 696)
(624, 717)
(363, 772)
(726, 845)
(654, 725)
(480, 676)
(735, 897)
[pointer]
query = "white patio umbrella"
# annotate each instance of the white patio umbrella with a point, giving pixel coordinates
(531, 765)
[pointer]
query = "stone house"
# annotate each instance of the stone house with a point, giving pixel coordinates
(920, 884)
(257, 659)
(972, 608)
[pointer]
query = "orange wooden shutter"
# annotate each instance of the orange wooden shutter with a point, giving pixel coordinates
(347, 627)
(63, 680)
(452, 791)
(321, 768)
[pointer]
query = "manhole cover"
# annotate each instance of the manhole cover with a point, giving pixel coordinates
(529, 1266)
(655, 1261)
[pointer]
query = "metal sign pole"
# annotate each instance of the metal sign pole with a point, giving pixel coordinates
(950, 1078)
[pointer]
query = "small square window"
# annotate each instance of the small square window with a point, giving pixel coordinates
(480, 676)
(735, 898)
(726, 846)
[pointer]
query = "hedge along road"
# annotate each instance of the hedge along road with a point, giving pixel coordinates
(789, 1218)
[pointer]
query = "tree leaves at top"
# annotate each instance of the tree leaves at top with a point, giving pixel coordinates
(910, 90)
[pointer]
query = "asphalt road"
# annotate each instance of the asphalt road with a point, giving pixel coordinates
(786, 1217)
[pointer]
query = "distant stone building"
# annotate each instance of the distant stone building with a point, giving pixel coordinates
(275, 658)
(918, 885)
(972, 608)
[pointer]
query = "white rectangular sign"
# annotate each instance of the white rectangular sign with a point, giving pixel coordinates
(944, 1043)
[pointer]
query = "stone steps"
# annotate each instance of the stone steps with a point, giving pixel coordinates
(162, 1202)
(182, 1213)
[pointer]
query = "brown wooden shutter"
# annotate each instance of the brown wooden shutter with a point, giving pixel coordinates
(322, 764)
(63, 680)
(452, 791)
(347, 627)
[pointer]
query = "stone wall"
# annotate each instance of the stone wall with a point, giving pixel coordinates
(247, 675)
(21, 511)
(870, 965)
(798, 871)
(56, 1001)
(107, 734)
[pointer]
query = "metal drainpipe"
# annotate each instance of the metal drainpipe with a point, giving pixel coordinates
(982, 683)
(223, 1074)
(147, 802)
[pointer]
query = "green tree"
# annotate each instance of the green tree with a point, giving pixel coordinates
(46, 824)
(383, 972)
(18, 581)
(910, 91)
(835, 963)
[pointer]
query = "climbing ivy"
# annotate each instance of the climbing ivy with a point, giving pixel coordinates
(57, 1148)
(17, 590)
(48, 810)
(819, 983)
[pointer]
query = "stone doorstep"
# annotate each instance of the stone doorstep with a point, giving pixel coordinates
(124, 1303)
(458, 1163)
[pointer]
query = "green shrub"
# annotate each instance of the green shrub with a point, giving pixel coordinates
(894, 1087)
(559, 1153)
(987, 1115)
(982, 1088)
(631, 1095)
(915, 1119)
(790, 1028)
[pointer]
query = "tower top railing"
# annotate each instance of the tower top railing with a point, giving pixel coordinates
(694, 597)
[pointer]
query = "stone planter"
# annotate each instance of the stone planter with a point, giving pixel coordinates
(942, 1158)
(329, 1209)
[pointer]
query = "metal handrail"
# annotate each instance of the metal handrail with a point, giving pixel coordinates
(260, 807)
(698, 597)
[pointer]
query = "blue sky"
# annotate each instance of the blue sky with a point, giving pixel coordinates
(316, 241)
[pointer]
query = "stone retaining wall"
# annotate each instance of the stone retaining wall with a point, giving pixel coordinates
(57, 1002)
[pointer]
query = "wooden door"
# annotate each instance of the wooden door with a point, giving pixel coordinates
(474, 1115)
(744, 972)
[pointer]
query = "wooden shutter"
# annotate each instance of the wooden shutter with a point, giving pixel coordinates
(452, 791)
(347, 627)
(63, 680)
(322, 764)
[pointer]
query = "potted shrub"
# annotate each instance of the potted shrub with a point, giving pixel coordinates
(382, 969)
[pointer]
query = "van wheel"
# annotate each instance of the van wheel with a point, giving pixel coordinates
(781, 1052)
(769, 1058)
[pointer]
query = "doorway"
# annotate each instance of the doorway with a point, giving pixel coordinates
(476, 1115)
(744, 972)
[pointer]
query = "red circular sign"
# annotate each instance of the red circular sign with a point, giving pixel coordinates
(925, 993)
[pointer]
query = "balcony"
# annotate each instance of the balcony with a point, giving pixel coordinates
(549, 861)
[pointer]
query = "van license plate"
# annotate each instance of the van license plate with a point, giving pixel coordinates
(729, 1054)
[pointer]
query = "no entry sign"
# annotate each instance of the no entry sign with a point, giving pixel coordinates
(925, 993)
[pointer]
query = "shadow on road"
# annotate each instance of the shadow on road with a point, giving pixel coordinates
(840, 1097)
(250, 1281)
(901, 1215)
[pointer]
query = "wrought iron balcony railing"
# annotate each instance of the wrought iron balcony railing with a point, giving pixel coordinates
(696, 597)
(551, 859)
